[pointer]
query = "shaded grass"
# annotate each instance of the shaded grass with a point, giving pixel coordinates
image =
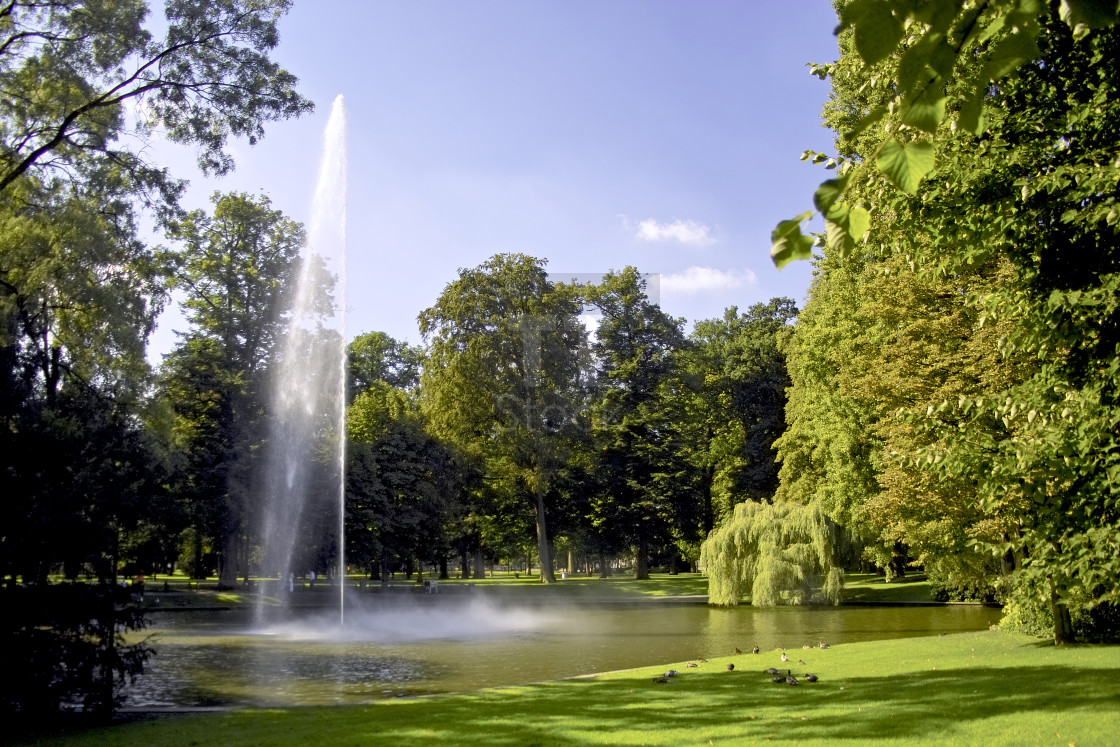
(975, 688)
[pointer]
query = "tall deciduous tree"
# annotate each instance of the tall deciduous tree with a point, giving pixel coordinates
(375, 356)
(503, 375)
(738, 379)
(643, 487)
(68, 67)
(1014, 226)
(235, 268)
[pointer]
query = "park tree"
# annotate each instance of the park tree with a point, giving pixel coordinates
(503, 378)
(79, 290)
(70, 68)
(778, 553)
(235, 268)
(402, 485)
(737, 385)
(645, 486)
(1024, 188)
(375, 356)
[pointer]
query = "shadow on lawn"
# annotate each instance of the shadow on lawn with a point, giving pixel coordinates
(748, 704)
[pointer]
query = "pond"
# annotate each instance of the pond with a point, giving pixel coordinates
(428, 645)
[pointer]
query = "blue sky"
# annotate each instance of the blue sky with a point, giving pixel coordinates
(655, 133)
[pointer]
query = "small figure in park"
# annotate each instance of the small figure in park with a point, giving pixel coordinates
(291, 583)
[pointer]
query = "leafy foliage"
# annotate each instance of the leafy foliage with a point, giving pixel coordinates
(778, 553)
(934, 57)
(65, 646)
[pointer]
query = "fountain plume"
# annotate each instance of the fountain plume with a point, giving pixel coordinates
(309, 381)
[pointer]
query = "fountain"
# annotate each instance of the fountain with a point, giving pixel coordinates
(306, 450)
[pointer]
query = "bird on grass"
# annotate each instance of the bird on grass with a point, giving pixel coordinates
(754, 650)
(778, 679)
(737, 651)
(772, 670)
(692, 664)
(672, 673)
(801, 662)
(790, 679)
(824, 645)
(784, 657)
(811, 677)
(661, 679)
(730, 666)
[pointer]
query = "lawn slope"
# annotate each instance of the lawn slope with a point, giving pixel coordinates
(975, 688)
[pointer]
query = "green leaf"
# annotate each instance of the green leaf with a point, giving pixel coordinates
(927, 110)
(789, 243)
(877, 30)
(905, 165)
(971, 117)
(1010, 54)
(1094, 14)
(837, 239)
(859, 221)
(828, 194)
(939, 14)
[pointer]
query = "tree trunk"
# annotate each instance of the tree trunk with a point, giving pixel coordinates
(604, 569)
(443, 568)
(479, 564)
(1063, 623)
(571, 564)
(542, 542)
(641, 565)
(464, 564)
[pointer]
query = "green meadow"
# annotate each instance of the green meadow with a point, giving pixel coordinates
(977, 688)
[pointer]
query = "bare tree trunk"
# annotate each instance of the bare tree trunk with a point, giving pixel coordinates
(464, 564)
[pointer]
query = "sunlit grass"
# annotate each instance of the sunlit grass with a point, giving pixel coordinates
(976, 688)
(869, 587)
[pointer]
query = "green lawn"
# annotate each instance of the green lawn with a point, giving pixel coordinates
(869, 587)
(976, 688)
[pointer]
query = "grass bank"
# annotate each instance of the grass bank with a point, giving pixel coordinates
(975, 688)
(865, 588)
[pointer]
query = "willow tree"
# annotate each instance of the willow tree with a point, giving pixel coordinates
(781, 553)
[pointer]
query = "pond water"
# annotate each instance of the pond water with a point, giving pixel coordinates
(435, 645)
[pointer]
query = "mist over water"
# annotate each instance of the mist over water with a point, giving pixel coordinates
(305, 452)
(413, 622)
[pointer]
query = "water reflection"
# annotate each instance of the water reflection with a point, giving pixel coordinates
(218, 658)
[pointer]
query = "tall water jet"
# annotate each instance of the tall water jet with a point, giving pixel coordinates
(306, 449)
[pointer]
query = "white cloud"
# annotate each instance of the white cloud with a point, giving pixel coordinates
(701, 279)
(684, 231)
